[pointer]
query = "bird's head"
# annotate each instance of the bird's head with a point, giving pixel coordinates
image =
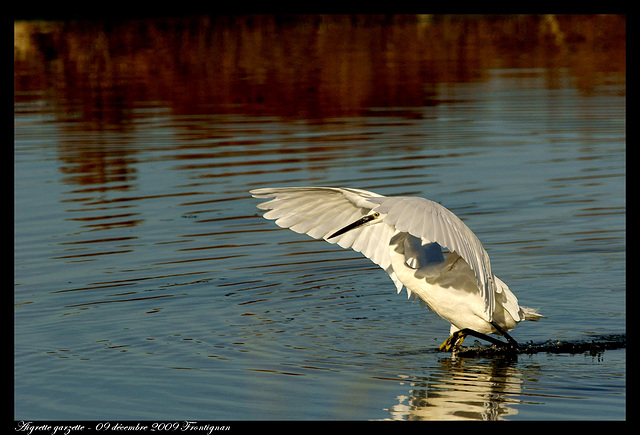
(370, 219)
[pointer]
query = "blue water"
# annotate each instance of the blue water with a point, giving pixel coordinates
(147, 286)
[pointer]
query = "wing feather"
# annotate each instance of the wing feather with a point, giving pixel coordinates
(438, 224)
(321, 211)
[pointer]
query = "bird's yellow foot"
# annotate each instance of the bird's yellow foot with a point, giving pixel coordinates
(453, 342)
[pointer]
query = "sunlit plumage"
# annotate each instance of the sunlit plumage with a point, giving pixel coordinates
(405, 237)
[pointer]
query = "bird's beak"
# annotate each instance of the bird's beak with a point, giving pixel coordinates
(360, 222)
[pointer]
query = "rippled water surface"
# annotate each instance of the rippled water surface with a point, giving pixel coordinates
(147, 286)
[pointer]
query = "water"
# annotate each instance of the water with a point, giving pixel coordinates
(147, 286)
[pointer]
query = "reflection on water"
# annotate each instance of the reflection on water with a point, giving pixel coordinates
(506, 389)
(146, 283)
(462, 390)
(301, 68)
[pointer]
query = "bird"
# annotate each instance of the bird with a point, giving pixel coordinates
(420, 244)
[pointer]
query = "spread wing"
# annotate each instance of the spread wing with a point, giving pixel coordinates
(321, 211)
(432, 222)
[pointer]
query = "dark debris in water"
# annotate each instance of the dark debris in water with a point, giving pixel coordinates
(593, 346)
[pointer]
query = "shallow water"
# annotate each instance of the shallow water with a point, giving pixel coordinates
(147, 286)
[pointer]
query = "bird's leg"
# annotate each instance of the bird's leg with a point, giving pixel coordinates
(455, 340)
(512, 343)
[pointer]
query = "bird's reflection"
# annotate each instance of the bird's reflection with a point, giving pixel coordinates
(462, 390)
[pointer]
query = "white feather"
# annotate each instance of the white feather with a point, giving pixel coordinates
(464, 292)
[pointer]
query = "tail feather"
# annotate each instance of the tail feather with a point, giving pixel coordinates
(531, 314)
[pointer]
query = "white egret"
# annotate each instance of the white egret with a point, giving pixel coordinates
(405, 236)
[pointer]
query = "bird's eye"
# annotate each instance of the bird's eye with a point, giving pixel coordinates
(375, 215)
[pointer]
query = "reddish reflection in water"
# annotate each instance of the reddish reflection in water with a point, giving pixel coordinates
(299, 67)
(105, 80)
